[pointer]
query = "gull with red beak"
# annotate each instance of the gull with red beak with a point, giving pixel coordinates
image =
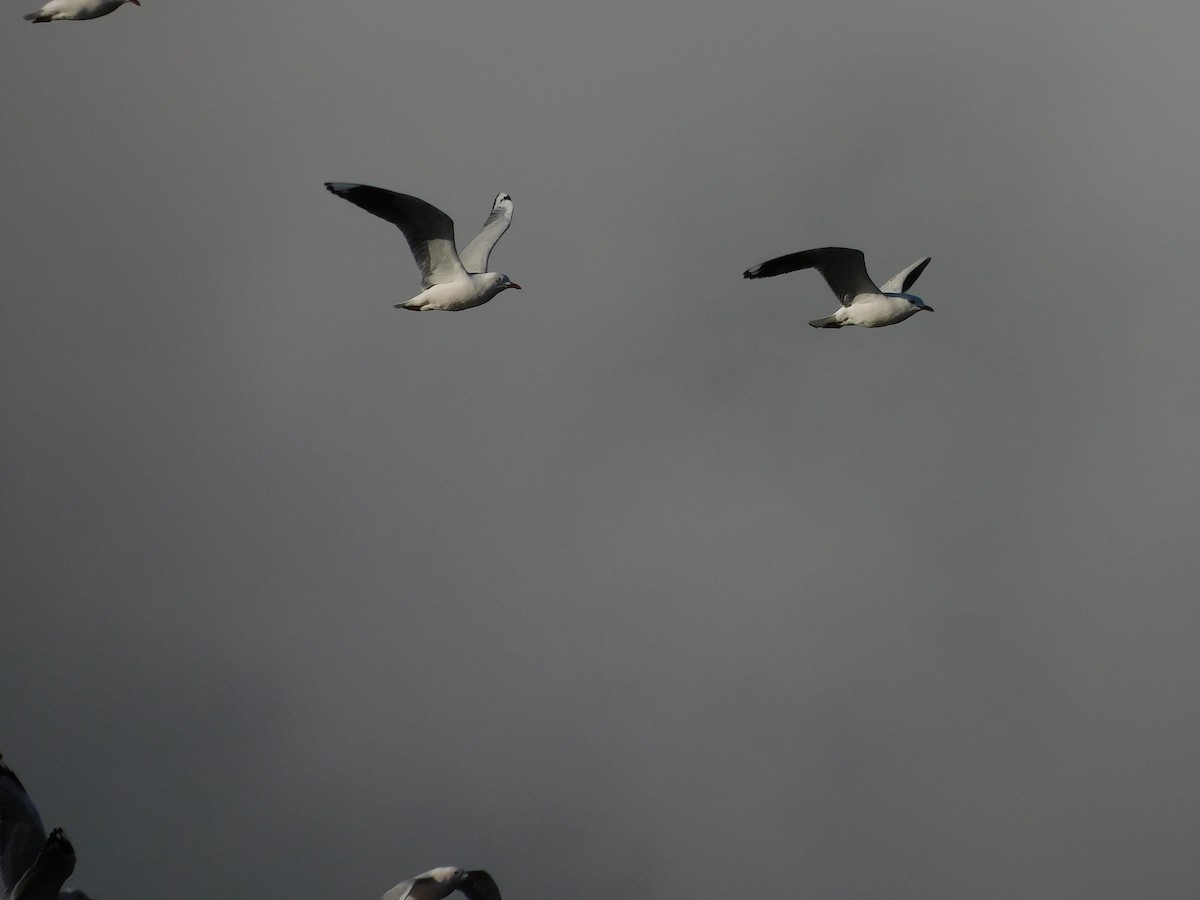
(845, 271)
(451, 280)
(75, 10)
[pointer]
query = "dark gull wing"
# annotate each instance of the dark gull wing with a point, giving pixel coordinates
(844, 270)
(478, 885)
(428, 230)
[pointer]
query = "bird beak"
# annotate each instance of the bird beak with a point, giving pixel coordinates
(136, 2)
(513, 284)
(927, 308)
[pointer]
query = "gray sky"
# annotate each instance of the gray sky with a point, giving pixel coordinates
(629, 584)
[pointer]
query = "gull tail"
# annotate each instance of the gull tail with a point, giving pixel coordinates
(827, 322)
(36, 17)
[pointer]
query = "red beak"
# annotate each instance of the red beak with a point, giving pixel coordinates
(136, 2)
(513, 284)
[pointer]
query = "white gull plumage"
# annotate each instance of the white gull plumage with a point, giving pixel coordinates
(845, 271)
(474, 884)
(451, 280)
(74, 10)
(32, 865)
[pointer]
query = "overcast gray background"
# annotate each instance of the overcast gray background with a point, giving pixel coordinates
(631, 584)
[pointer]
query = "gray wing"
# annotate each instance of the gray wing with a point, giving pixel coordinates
(400, 891)
(52, 867)
(428, 230)
(475, 254)
(404, 888)
(478, 885)
(22, 836)
(905, 278)
(844, 270)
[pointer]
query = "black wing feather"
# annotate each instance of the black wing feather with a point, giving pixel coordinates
(478, 885)
(911, 278)
(843, 268)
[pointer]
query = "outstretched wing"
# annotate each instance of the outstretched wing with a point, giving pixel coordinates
(844, 270)
(428, 230)
(22, 836)
(478, 885)
(905, 278)
(475, 254)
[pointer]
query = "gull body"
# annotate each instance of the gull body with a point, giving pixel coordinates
(845, 271)
(451, 281)
(75, 10)
(32, 865)
(474, 884)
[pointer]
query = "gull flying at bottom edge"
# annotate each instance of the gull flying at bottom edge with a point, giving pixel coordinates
(845, 271)
(474, 884)
(76, 10)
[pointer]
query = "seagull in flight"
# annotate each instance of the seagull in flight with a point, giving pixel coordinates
(845, 271)
(451, 281)
(474, 884)
(74, 10)
(32, 866)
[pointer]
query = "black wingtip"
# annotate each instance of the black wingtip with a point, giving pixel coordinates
(912, 276)
(480, 885)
